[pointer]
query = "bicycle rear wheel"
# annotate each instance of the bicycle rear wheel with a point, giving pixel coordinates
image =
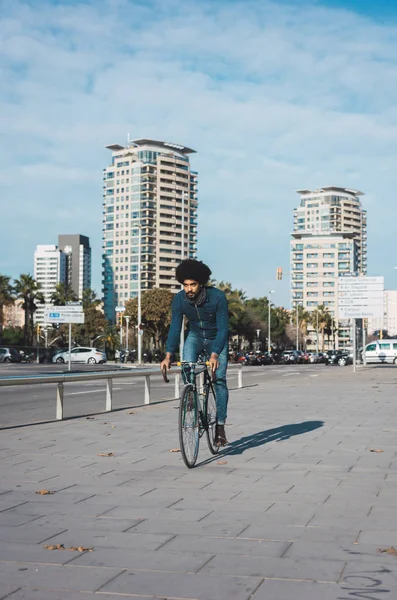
(211, 418)
(189, 437)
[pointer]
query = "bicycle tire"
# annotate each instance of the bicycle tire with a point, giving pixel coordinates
(189, 431)
(211, 418)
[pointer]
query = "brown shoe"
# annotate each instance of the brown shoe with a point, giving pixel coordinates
(220, 436)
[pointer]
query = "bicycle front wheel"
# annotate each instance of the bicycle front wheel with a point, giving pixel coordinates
(189, 437)
(211, 419)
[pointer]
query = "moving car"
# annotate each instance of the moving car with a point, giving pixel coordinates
(90, 356)
(381, 351)
(9, 355)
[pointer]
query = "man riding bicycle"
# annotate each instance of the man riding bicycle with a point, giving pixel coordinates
(206, 309)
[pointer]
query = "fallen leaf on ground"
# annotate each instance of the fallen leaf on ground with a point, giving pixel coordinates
(375, 450)
(44, 492)
(71, 548)
(392, 551)
(106, 454)
(112, 426)
(221, 462)
(174, 450)
(132, 412)
(90, 417)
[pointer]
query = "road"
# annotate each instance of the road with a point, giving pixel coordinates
(20, 405)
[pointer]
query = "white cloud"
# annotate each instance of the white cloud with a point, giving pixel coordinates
(274, 97)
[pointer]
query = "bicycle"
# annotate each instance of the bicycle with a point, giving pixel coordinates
(197, 411)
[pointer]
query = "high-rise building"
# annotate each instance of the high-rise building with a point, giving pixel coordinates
(149, 190)
(77, 250)
(329, 241)
(49, 270)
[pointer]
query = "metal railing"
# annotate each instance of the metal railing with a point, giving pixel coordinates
(60, 381)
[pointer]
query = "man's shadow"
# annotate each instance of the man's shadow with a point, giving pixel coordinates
(278, 434)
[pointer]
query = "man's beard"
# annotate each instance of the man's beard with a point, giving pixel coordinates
(192, 295)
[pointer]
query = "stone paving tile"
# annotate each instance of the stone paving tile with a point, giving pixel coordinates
(184, 586)
(34, 553)
(30, 594)
(149, 511)
(225, 528)
(104, 539)
(333, 551)
(292, 533)
(143, 560)
(275, 568)
(85, 523)
(288, 590)
(218, 545)
(28, 536)
(55, 577)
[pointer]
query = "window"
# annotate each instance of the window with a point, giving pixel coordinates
(329, 293)
(299, 247)
(328, 265)
(298, 266)
(394, 346)
(312, 294)
(384, 346)
(329, 255)
(312, 255)
(312, 265)
(371, 348)
(312, 283)
(298, 257)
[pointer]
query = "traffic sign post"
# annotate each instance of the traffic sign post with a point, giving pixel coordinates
(72, 313)
(360, 298)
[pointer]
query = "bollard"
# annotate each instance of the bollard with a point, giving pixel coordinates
(147, 389)
(177, 385)
(109, 394)
(60, 401)
(240, 377)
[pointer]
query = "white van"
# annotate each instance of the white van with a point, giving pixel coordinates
(381, 351)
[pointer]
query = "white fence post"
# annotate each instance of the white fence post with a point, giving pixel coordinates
(60, 401)
(240, 377)
(109, 394)
(147, 389)
(177, 385)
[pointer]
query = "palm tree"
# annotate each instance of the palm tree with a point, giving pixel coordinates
(90, 299)
(28, 290)
(6, 297)
(323, 318)
(63, 293)
(303, 317)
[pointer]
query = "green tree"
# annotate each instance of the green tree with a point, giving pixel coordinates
(156, 313)
(6, 297)
(63, 293)
(28, 290)
(323, 317)
(304, 319)
(94, 320)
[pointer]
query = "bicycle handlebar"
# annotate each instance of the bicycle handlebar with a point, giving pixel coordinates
(164, 372)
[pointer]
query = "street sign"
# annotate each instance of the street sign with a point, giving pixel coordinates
(120, 309)
(77, 303)
(63, 314)
(360, 297)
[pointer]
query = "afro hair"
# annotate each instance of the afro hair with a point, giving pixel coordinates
(193, 269)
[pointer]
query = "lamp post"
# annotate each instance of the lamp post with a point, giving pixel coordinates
(317, 330)
(182, 336)
(297, 325)
(269, 344)
(140, 332)
(127, 318)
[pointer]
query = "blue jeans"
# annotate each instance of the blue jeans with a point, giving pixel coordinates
(193, 347)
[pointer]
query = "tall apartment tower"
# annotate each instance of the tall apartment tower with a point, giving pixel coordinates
(49, 270)
(329, 241)
(77, 250)
(148, 189)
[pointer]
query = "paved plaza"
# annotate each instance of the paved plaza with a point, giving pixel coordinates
(301, 505)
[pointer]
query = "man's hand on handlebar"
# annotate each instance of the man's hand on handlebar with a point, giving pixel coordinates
(166, 363)
(214, 363)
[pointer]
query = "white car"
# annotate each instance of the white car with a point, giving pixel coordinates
(90, 356)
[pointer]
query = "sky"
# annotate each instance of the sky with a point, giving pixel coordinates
(273, 96)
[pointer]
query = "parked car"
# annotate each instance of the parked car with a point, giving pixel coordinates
(8, 355)
(340, 357)
(291, 357)
(90, 356)
(381, 351)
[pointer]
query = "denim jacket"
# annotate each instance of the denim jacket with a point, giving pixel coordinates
(210, 320)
